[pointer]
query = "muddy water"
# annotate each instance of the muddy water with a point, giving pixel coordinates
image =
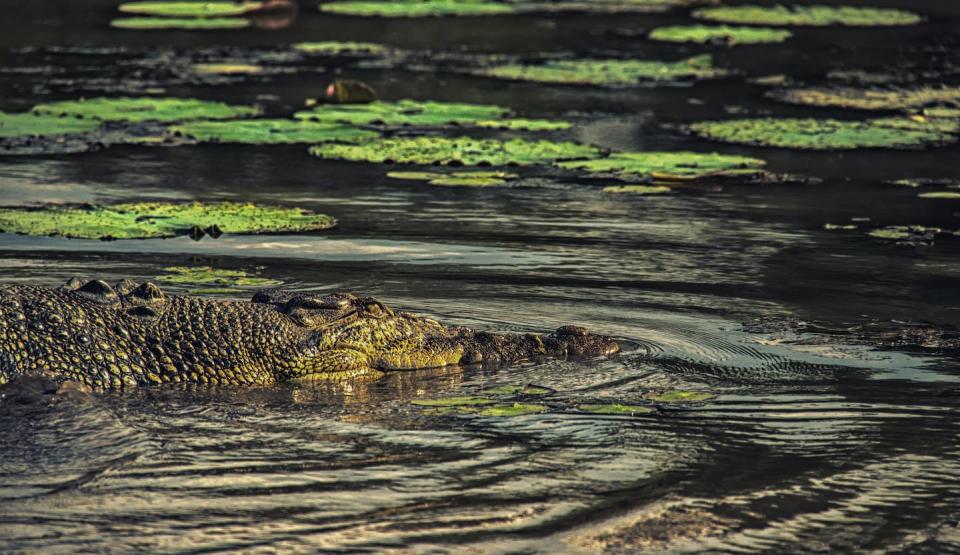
(808, 447)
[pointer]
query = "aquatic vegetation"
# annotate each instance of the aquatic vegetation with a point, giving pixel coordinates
(270, 131)
(159, 220)
(909, 234)
(456, 179)
(810, 15)
(337, 48)
(460, 150)
(953, 195)
(416, 8)
(670, 165)
(680, 396)
(454, 402)
(871, 99)
(523, 124)
(701, 34)
(227, 69)
(820, 134)
(190, 9)
(519, 390)
(608, 72)
(180, 23)
(416, 176)
(142, 109)
(617, 409)
(638, 189)
(516, 409)
(42, 125)
(220, 279)
(404, 112)
(467, 181)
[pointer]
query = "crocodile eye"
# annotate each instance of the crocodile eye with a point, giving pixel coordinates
(376, 309)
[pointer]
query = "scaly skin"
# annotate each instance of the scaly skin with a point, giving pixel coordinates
(132, 335)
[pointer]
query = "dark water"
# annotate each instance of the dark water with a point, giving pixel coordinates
(808, 448)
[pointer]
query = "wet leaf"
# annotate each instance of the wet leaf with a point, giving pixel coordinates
(701, 34)
(271, 131)
(180, 23)
(158, 220)
(607, 72)
(453, 402)
(821, 134)
(812, 15)
(141, 109)
(516, 409)
(461, 150)
(680, 396)
(190, 9)
(665, 164)
(616, 409)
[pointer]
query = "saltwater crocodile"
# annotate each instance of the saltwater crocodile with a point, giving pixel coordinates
(132, 334)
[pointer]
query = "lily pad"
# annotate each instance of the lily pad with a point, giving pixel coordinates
(190, 9)
(403, 112)
(812, 15)
(467, 182)
(666, 164)
(227, 69)
(638, 189)
(271, 131)
(679, 396)
(519, 390)
(159, 220)
(701, 34)
(226, 280)
(818, 134)
(516, 409)
(953, 195)
(909, 234)
(416, 8)
(616, 409)
(180, 23)
(870, 99)
(337, 48)
(140, 109)
(523, 124)
(41, 125)
(454, 402)
(461, 150)
(608, 72)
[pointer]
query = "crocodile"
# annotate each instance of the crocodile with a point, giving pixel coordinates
(105, 337)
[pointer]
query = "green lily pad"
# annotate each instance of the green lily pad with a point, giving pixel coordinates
(271, 131)
(523, 124)
(416, 176)
(870, 99)
(453, 402)
(519, 390)
(461, 150)
(608, 72)
(819, 134)
(180, 23)
(40, 125)
(638, 189)
(227, 280)
(701, 34)
(417, 8)
(813, 15)
(516, 409)
(616, 409)
(227, 69)
(941, 194)
(467, 181)
(403, 112)
(336, 48)
(678, 396)
(143, 109)
(158, 220)
(665, 165)
(190, 9)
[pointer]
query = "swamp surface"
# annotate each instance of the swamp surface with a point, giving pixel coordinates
(816, 306)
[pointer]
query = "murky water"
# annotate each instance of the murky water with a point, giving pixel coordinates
(808, 447)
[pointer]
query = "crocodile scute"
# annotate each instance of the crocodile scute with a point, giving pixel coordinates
(126, 335)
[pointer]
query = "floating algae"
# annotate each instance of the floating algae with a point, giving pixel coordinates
(701, 34)
(666, 165)
(159, 220)
(142, 109)
(608, 72)
(216, 280)
(871, 99)
(813, 15)
(196, 8)
(180, 23)
(438, 8)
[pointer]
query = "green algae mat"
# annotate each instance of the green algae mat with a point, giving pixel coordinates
(190, 9)
(607, 72)
(147, 220)
(871, 99)
(42, 125)
(808, 15)
(457, 151)
(143, 109)
(824, 134)
(180, 23)
(701, 34)
(669, 165)
(425, 114)
(270, 131)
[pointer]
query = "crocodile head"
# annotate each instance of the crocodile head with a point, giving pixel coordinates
(351, 335)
